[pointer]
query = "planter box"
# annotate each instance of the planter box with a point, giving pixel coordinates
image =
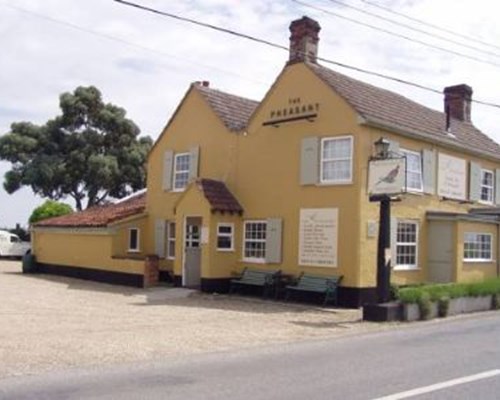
(475, 304)
(462, 305)
(457, 306)
(411, 312)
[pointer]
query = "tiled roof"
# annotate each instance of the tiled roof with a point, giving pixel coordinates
(219, 196)
(393, 110)
(234, 111)
(98, 216)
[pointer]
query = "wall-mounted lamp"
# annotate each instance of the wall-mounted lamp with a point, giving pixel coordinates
(382, 148)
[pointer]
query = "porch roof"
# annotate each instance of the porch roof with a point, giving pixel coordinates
(218, 196)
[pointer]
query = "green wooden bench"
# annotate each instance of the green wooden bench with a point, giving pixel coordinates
(266, 279)
(317, 284)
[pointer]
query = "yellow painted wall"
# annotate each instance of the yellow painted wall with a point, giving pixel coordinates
(192, 204)
(475, 271)
(120, 239)
(268, 180)
(86, 250)
(261, 167)
(194, 124)
(225, 263)
(413, 206)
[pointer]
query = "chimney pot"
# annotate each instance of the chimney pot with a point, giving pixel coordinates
(304, 40)
(457, 102)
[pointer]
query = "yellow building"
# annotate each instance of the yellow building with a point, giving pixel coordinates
(283, 184)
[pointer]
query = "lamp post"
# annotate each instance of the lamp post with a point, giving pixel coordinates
(384, 232)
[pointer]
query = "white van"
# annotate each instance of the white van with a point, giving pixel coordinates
(12, 246)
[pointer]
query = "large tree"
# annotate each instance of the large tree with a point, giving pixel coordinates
(90, 151)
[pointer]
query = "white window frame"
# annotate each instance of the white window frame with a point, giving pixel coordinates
(225, 235)
(259, 260)
(406, 267)
(137, 248)
(176, 172)
(478, 242)
(323, 161)
(491, 189)
(170, 240)
(420, 172)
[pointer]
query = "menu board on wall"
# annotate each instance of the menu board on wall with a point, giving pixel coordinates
(452, 176)
(318, 233)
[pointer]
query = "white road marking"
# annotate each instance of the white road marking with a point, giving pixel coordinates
(442, 385)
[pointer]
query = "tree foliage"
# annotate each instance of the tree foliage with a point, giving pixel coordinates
(49, 209)
(90, 151)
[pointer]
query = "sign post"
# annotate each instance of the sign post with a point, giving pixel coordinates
(386, 178)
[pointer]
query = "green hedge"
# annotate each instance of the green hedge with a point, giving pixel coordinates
(435, 292)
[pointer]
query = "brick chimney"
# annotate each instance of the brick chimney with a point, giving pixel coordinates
(457, 102)
(304, 40)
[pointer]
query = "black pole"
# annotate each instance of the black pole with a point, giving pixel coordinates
(384, 252)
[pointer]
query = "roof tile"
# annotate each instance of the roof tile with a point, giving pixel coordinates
(98, 216)
(219, 196)
(388, 107)
(234, 111)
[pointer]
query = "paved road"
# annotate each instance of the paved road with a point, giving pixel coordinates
(452, 359)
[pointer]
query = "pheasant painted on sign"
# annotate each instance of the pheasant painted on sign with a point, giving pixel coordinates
(390, 177)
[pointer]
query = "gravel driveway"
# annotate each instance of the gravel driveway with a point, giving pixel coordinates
(49, 322)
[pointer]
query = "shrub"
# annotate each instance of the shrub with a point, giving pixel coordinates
(443, 306)
(495, 301)
(409, 295)
(435, 292)
(394, 292)
(424, 305)
(49, 209)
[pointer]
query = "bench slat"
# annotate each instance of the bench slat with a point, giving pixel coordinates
(317, 284)
(255, 277)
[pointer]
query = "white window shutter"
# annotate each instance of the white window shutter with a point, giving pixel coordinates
(193, 162)
(393, 147)
(160, 229)
(273, 240)
(394, 237)
(497, 187)
(168, 160)
(309, 161)
(474, 181)
(429, 171)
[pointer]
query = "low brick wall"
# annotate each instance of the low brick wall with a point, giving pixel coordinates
(151, 271)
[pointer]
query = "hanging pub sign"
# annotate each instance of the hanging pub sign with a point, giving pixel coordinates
(387, 177)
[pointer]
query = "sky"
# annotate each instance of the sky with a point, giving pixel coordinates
(145, 62)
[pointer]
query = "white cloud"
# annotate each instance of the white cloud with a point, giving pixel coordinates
(145, 62)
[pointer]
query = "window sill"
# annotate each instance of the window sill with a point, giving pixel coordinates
(486, 203)
(225, 250)
(254, 260)
(478, 261)
(135, 251)
(339, 183)
(415, 192)
(406, 268)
